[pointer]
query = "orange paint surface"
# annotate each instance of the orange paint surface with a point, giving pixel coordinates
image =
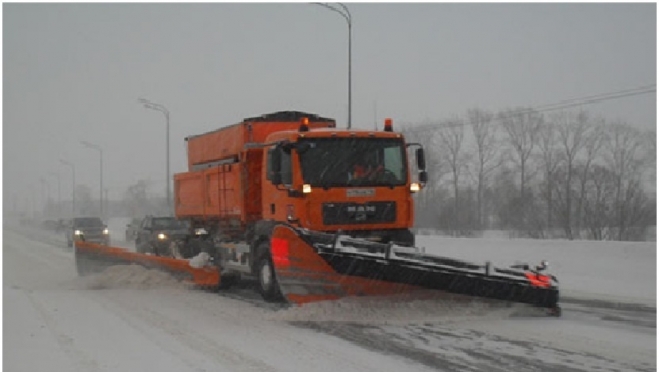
(205, 276)
(306, 277)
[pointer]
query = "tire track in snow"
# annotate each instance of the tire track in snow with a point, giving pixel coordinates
(138, 316)
(83, 361)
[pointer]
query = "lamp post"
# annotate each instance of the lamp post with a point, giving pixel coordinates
(158, 107)
(100, 194)
(345, 13)
(73, 197)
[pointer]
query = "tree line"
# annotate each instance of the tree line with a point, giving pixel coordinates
(562, 174)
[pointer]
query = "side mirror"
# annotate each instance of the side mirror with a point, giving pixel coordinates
(420, 159)
(274, 162)
(423, 177)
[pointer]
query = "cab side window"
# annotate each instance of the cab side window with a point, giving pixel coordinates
(286, 168)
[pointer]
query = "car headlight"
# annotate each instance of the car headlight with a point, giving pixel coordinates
(106, 231)
(77, 232)
(162, 236)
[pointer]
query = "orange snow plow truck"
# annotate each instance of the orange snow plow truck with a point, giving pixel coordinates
(313, 213)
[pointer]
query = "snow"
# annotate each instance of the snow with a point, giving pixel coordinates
(132, 319)
(614, 271)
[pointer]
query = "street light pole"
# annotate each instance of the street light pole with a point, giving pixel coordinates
(100, 194)
(73, 197)
(158, 107)
(345, 13)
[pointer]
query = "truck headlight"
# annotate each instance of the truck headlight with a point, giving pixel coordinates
(415, 187)
(162, 236)
(106, 231)
(77, 232)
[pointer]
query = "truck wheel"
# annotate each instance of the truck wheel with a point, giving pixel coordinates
(268, 286)
(227, 281)
(143, 248)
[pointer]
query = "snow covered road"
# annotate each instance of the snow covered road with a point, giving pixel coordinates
(132, 319)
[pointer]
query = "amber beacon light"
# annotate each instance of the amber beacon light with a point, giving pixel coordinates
(388, 125)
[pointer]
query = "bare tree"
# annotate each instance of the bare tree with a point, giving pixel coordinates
(136, 199)
(572, 128)
(486, 149)
(549, 158)
(593, 141)
(521, 127)
(598, 202)
(451, 135)
(623, 156)
(650, 158)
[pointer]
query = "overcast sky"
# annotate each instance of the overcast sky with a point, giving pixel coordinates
(74, 72)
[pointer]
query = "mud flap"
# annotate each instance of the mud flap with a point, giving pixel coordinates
(94, 258)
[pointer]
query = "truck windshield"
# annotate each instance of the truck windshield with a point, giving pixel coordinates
(353, 162)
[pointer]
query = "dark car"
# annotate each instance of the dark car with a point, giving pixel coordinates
(91, 229)
(157, 234)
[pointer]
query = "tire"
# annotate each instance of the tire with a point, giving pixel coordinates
(143, 247)
(403, 237)
(227, 281)
(268, 286)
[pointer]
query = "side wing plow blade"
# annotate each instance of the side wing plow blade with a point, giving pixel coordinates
(304, 276)
(93, 258)
(308, 273)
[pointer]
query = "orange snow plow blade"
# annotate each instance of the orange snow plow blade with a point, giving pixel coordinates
(314, 267)
(304, 276)
(92, 258)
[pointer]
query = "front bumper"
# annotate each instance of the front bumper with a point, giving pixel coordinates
(104, 239)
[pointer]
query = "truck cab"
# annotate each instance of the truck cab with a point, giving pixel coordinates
(357, 182)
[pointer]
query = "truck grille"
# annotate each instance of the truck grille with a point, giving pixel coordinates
(93, 234)
(355, 213)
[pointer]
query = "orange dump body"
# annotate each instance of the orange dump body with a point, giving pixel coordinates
(224, 175)
(229, 142)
